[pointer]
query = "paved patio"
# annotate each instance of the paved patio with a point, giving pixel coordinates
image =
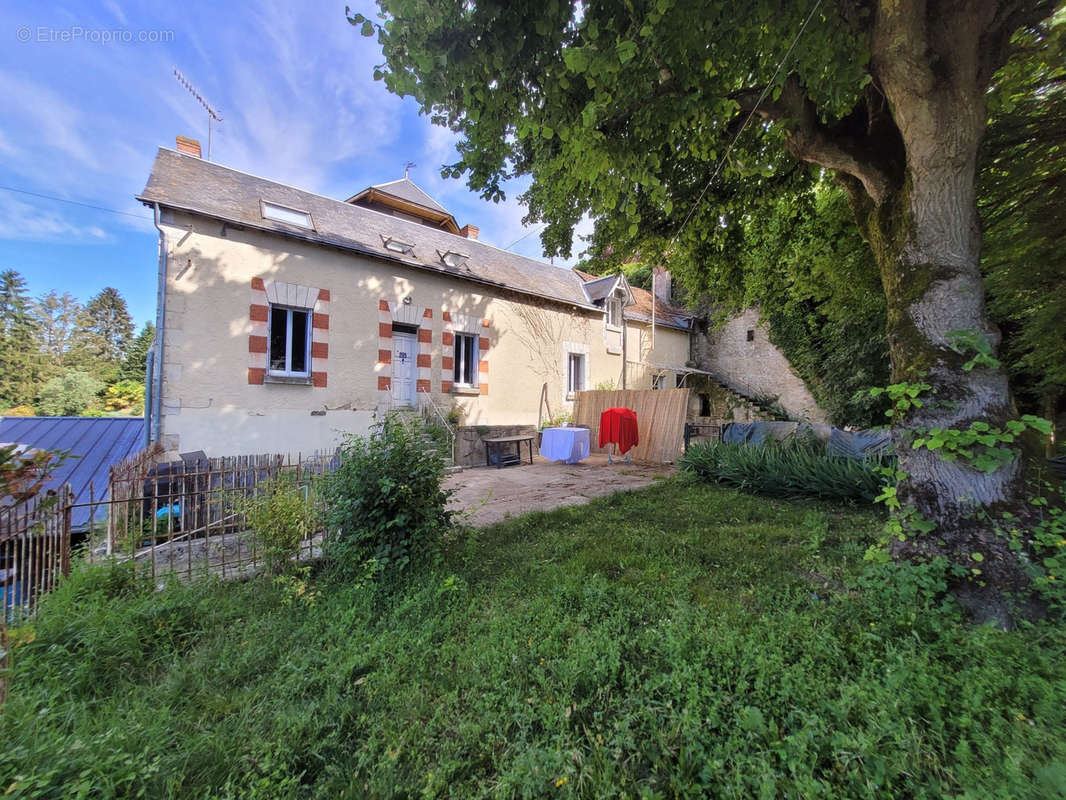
(489, 495)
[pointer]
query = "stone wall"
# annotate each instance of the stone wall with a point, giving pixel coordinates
(741, 355)
(470, 441)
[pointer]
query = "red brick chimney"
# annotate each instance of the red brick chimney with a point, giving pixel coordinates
(190, 147)
(469, 231)
(663, 281)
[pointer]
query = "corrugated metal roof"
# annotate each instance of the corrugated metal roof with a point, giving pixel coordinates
(188, 183)
(98, 442)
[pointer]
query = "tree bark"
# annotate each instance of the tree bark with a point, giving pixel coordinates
(911, 181)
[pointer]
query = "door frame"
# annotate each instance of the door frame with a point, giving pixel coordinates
(412, 352)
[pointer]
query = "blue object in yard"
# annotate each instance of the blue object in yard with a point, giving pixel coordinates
(165, 511)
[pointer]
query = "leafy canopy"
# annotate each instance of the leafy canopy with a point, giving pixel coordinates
(618, 110)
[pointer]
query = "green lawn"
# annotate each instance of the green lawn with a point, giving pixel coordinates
(683, 640)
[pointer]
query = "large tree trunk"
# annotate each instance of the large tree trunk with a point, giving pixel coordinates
(926, 237)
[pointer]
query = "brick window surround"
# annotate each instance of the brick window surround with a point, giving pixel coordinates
(316, 300)
(462, 323)
(408, 314)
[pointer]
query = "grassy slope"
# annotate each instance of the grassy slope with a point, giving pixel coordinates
(683, 640)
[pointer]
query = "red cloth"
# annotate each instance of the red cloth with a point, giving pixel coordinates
(619, 425)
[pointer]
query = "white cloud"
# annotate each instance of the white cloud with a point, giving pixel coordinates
(22, 221)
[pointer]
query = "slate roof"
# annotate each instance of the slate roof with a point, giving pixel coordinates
(640, 309)
(408, 190)
(187, 183)
(98, 441)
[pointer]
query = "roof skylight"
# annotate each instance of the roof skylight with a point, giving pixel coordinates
(290, 216)
(396, 246)
(452, 258)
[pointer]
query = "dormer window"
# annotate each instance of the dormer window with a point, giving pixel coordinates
(452, 258)
(290, 216)
(396, 246)
(614, 312)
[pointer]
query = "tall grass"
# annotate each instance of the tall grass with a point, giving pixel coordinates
(684, 641)
(801, 467)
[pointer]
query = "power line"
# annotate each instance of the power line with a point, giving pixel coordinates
(73, 202)
(520, 238)
(762, 96)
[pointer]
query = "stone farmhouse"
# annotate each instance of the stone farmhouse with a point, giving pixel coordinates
(286, 319)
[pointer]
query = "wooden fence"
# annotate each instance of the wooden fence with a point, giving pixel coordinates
(660, 414)
(173, 518)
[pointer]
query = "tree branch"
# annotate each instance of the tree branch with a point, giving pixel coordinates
(845, 147)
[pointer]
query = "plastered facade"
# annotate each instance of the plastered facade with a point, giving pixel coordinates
(217, 397)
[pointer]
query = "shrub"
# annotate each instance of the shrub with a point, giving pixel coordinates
(793, 468)
(281, 515)
(19, 411)
(126, 395)
(68, 395)
(385, 501)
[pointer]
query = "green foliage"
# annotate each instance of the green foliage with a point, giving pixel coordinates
(281, 514)
(903, 396)
(385, 501)
(103, 334)
(24, 473)
(979, 444)
(792, 468)
(967, 342)
(56, 316)
(69, 395)
(1042, 540)
(136, 362)
(126, 395)
(1021, 184)
(19, 366)
(565, 654)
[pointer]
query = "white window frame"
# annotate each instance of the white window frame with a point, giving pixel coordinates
(281, 214)
(613, 314)
(459, 359)
(572, 371)
(288, 372)
(658, 381)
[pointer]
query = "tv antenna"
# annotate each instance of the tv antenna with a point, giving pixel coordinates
(211, 113)
(410, 165)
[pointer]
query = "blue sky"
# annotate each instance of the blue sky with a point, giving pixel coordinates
(293, 82)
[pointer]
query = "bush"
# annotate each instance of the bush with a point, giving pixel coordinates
(793, 468)
(281, 515)
(19, 411)
(126, 395)
(385, 502)
(68, 395)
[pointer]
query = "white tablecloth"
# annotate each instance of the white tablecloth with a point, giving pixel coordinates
(565, 444)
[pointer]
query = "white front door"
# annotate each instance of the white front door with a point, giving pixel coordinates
(404, 368)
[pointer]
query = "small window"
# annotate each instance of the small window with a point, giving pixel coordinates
(679, 380)
(614, 312)
(291, 216)
(452, 258)
(657, 381)
(751, 334)
(466, 354)
(575, 373)
(290, 341)
(705, 405)
(396, 246)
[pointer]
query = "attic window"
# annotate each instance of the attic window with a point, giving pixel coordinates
(396, 246)
(452, 258)
(290, 216)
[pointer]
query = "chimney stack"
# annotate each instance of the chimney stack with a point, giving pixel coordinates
(469, 231)
(663, 281)
(190, 147)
